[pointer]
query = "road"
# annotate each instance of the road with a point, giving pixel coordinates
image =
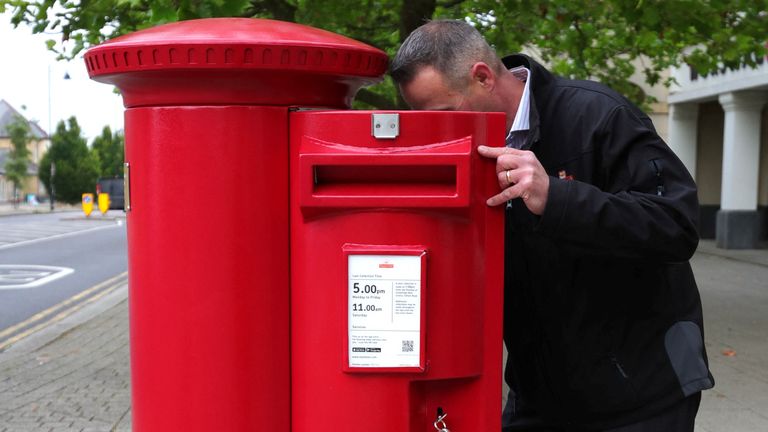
(52, 264)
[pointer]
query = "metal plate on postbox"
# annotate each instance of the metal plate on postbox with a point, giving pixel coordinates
(127, 186)
(385, 126)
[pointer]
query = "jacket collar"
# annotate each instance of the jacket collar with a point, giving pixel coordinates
(541, 78)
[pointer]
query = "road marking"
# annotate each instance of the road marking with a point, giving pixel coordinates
(16, 276)
(57, 236)
(64, 309)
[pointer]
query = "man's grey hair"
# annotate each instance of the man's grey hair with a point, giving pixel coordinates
(450, 46)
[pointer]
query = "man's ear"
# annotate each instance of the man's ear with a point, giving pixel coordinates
(482, 74)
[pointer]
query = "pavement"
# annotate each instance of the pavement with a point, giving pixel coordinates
(74, 374)
(8, 209)
(734, 291)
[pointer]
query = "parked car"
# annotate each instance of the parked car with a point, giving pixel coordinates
(114, 187)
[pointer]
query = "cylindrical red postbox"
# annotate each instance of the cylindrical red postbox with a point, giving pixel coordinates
(206, 132)
(397, 272)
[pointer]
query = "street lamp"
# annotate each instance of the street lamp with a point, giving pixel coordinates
(53, 188)
(50, 123)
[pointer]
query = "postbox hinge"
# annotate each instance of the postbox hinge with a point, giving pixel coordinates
(127, 187)
(385, 126)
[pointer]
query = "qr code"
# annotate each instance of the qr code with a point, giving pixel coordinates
(407, 346)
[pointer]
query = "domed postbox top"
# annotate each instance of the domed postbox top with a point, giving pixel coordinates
(236, 61)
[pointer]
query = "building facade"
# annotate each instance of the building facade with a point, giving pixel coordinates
(718, 126)
(37, 147)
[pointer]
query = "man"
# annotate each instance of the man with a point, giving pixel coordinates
(603, 320)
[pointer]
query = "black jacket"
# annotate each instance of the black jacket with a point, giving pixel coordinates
(603, 318)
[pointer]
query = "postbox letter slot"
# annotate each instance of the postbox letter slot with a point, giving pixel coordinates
(385, 180)
(359, 181)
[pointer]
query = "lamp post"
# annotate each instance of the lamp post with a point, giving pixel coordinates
(49, 103)
(53, 187)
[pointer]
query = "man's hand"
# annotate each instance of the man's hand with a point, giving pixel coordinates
(520, 175)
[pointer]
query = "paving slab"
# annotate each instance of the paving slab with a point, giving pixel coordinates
(734, 291)
(74, 375)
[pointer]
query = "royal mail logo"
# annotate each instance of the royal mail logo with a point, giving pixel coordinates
(386, 265)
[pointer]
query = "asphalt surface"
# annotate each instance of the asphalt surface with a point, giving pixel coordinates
(72, 252)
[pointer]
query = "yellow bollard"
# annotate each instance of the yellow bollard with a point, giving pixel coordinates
(87, 204)
(103, 203)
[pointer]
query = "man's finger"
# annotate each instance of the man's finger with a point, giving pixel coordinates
(508, 177)
(505, 195)
(494, 152)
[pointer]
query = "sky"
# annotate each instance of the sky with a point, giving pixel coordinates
(24, 84)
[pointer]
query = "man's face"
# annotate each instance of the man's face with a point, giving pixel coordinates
(429, 90)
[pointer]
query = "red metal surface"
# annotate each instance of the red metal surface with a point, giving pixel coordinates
(433, 176)
(390, 202)
(240, 60)
(207, 144)
(208, 265)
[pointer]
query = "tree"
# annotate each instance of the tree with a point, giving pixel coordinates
(16, 165)
(579, 38)
(77, 169)
(109, 150)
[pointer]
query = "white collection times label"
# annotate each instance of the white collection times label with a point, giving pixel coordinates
(384, 316)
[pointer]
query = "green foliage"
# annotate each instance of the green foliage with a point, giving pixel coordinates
(82, 24)
(109, 149)
(603, 40)
(579, 38)
(77, 169)
(16, 165)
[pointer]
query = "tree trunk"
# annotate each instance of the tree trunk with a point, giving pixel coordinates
(376, 100)
(413, 14)
(279, 9)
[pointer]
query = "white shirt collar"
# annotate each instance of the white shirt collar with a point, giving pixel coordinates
(521, 121)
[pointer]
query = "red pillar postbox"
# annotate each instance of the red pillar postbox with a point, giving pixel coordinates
(396, 263)
(206, 130)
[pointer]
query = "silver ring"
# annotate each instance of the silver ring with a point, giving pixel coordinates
(507, 174)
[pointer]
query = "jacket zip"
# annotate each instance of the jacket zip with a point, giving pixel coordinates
(656, 166)
(616, 363)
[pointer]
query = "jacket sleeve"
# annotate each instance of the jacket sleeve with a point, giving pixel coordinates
(642, 202)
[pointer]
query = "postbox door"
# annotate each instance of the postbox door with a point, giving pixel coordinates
(396, 271)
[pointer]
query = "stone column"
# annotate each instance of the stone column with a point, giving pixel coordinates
(738, 223)
(683, 128)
